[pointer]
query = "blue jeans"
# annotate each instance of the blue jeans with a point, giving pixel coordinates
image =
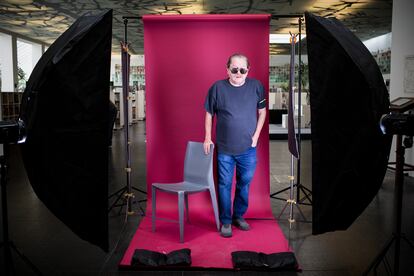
(245, 164)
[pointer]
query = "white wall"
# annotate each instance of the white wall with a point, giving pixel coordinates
(379, 43)
(37, 53)
(402, 46)
(277, 60)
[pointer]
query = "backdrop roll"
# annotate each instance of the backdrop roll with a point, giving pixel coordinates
(184, 56)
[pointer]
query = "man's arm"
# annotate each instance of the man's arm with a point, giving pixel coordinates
(208, 125)
(260, 123)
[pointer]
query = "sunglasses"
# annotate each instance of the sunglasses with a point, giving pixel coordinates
(235, 70)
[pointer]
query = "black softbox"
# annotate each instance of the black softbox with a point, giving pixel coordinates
(348, 97)
(65, 111)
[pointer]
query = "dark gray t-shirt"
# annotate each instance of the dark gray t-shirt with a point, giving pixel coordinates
(236, 110)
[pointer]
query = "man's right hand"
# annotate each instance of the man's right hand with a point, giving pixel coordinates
(206, 145)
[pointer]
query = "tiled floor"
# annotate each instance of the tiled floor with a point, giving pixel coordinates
(56, 251)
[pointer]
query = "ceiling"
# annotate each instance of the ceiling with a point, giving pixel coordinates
(45, 20)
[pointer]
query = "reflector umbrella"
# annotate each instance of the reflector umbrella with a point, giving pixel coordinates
(65, 111)
(348, 97)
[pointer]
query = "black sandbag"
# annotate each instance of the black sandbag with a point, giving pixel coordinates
(148, 258)
(143, 257)
(282, 260)
(247, 259)
(181, 257)
(262, 261)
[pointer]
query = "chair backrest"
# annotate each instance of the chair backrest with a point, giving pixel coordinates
(198, 166)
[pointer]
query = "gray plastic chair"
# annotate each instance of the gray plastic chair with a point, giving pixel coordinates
(198, 177)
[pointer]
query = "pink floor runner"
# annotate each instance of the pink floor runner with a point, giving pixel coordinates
(208, 249)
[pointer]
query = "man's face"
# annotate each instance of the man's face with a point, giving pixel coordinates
(240, 64)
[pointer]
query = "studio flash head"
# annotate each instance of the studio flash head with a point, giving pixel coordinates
(397, 123)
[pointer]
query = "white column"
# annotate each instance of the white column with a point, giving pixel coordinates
(6, 63)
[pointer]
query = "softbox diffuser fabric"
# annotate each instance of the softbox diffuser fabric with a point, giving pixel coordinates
(348, 97)
(65, 109)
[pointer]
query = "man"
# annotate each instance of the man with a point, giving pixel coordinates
(236, 101)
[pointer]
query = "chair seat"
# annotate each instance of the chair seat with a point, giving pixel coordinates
(180, 187)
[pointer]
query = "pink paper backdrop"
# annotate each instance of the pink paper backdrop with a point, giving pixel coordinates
(184, 56)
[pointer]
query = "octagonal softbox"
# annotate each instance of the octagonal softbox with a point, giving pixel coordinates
(65, 109)
(348, 97)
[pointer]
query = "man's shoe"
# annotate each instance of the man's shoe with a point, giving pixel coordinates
(226, 231)
(241, 224)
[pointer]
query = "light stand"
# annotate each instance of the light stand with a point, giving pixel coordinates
(291, 201)
(9, 245)
(300, 188)
(292, 142)
(127, 191)
(398, 198)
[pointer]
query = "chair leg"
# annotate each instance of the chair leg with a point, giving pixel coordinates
(181, 214)
(154, 190)
(186, 207)
(215, 206)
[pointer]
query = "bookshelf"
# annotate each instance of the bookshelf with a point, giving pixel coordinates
(136, 102)
(383, 59)
(10, 105)
(117, 98)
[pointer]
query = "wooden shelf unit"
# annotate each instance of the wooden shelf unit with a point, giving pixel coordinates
(10, 105)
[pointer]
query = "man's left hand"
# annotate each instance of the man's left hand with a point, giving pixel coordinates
(254, 142)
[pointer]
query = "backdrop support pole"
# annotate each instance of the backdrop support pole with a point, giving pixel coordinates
(299, 109)
(125, 91)
(127, 191)
(292, 142)
(299, 185)
(300, 188)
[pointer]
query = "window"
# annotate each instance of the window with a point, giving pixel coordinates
(28, 54)
(6, 63)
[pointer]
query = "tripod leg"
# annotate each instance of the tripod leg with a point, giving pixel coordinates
(140, 207)
(307, 195)
(139, 190)
(121, 192)
(279, 192)
(9, 265)
(375, 263)
(301, 213)
(117, 192)
(122, 207)
(306, 189)
(26, 260)
(408, 241)
(283, 210)
(387, 266)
